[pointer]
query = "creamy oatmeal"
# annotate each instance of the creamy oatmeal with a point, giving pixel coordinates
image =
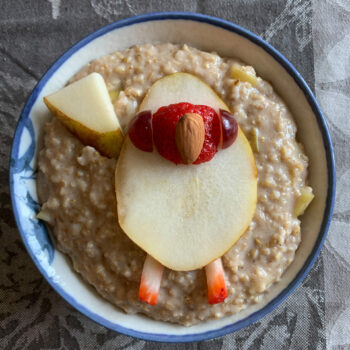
(76, 187)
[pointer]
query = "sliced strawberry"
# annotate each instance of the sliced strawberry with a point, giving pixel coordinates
(164, 123)
(217, 292)
(150, 280)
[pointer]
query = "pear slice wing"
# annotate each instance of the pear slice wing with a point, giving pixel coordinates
(185, 216)
(85, 108)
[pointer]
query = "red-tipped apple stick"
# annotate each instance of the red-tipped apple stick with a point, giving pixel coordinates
(150, 280)
(217, 292)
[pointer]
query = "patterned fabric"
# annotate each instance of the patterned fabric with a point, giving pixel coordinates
(34, 33)
(332, 85)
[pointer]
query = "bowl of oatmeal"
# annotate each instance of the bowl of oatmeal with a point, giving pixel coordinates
(72, 185)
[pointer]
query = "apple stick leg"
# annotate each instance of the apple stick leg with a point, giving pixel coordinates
(150, 280)
(217, 292)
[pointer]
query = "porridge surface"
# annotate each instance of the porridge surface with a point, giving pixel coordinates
(76, 187)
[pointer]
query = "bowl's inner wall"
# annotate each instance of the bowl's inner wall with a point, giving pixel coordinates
(210, 38)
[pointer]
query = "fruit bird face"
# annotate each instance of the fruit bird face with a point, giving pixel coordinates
(184, 133)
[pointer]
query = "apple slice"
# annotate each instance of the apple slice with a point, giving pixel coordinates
(243, 74)
(85, 108)
(185, 216)
(303, 201)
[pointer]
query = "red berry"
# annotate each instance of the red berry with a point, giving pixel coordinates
(164, 125)
(140, 131)
(229, 128)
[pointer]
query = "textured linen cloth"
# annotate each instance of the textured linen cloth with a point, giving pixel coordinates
(313, 35)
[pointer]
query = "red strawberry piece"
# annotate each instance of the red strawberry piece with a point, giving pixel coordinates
(164, 125)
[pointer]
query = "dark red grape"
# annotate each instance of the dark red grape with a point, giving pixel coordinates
(140, 131)
(229, 128)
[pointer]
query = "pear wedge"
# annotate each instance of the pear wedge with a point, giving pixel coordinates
(85, 108)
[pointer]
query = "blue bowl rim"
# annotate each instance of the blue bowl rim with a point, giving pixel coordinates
(156, 16)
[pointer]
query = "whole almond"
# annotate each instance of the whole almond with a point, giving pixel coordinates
(189, 136)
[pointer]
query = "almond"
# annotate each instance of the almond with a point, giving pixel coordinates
(189, 136)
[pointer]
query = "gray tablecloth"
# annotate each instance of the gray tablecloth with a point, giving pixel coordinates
(313, 35)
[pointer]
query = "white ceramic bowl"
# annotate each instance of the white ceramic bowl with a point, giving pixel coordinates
(206, 33)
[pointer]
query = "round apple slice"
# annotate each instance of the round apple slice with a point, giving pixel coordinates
(185, 216)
